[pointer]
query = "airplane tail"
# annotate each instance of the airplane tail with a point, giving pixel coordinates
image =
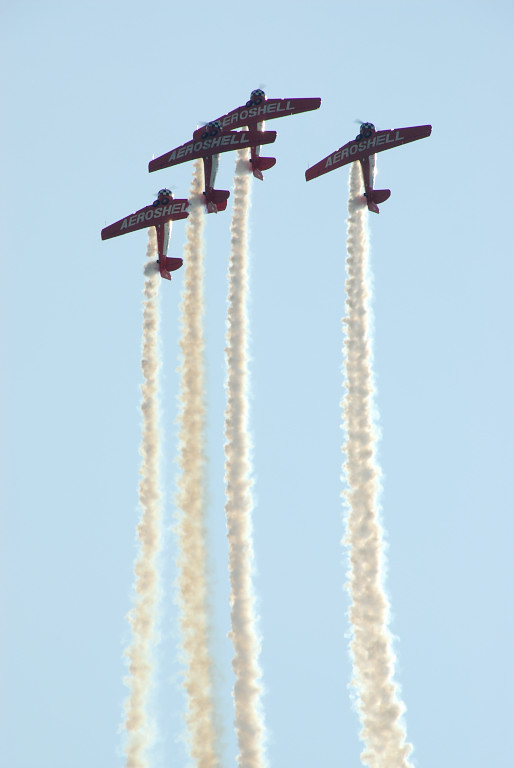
(377, 196)
(260, 164)
(216, 200)
(167, 265)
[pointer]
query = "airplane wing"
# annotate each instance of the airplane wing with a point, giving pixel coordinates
(269, 109)
(148, 217)
(359, 149)
(213, 145)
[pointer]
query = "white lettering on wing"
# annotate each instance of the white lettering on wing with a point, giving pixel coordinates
(240, 138)
(393, 137)
(146, 215)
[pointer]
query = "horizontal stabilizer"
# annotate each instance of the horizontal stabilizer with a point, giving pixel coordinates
(170, 263)
(216, 200)
(167, 265)
(376, 196)
(380, 195)
(219, 195)
(264, 163)
(260, 164)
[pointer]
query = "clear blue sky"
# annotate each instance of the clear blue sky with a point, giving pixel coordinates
(89, 93)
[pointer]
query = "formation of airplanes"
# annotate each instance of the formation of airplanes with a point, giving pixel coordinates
(243, 128)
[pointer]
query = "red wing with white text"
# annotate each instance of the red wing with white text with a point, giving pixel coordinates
(160, 214)
(253, 114)
(208, 146)
(364, 148)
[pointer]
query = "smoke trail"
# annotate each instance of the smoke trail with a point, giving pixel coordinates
(201, 717)
(380, 708)
(143, 616)
(249, 721)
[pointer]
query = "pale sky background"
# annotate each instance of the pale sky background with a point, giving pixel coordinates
(90, 93)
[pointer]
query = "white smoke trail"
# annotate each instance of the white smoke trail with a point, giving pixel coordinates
(249, 720)
(143, 616)
(201, 717)
(380, 708)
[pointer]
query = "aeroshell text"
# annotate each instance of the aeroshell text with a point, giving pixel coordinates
(222, 140)
(356, 147)
(154, 213)
(255, 113)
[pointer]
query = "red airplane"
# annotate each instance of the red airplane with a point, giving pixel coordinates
(160, 214)
(364, 148)
(251, 116)
(207, 144)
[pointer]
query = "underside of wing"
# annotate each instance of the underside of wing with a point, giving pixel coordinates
(225, 141)
(149, 216)
(398, 136)
(324, 166)
(268, 110)
(364, 147)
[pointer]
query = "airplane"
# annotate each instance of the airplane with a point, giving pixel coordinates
(251, 116)
(364, 147)
(207, 145)
(159, 214)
